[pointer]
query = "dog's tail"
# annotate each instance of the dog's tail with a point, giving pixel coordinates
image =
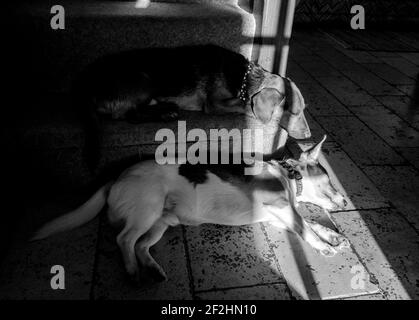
(76, 218)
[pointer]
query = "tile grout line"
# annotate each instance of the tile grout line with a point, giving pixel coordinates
(188, 264)
(278, 266)
(407, 147)
(378, 294)
(361, 209)
(245, 287)
(96, 258)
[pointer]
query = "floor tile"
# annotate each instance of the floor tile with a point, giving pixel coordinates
(367, 80)
(346, 91)
(361, 144)
(411, 154)
(321, 102)
(298, 52)
(312, 40)
(226, 257)
(310, 275)
(404, 107)
(411, 56)
(371, 83)
(387, 246)
(263, 292)
(317, 132)
(358, 56)
(407, 89)
(400, 185)
(317, 67)
(297, 74)
(27, 270)
(395, 131)
(389, 73)
(403, 65)
(380, 54)
(112, 282)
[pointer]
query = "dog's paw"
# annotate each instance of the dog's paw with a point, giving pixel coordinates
(339, 242)
(344, 243)
(157, 274)
(335, 240)
(152, 273)
(328, 251)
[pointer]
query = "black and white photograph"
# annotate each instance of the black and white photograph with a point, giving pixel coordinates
(210, 154)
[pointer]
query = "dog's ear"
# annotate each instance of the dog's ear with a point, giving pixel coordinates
(293, 119)
(263, 103)
(312, 154)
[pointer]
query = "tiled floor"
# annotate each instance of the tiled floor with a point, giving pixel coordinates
(363, 101)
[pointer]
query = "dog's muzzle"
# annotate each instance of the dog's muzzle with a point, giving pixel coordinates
(298, 127)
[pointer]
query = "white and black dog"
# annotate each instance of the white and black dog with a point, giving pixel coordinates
(148, 198)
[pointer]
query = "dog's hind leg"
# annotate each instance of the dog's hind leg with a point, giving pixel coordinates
(126, 241)
(127, 238)
(149, 267)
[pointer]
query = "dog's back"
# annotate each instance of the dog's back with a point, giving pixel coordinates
(172, 71)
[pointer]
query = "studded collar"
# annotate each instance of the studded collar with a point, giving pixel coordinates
(293, 174)
(243, 94)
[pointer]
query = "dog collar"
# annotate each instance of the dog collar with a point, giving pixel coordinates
(243, 89)
(293, 174)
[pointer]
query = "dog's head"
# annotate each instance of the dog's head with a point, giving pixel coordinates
(281, 94)
(317, 187)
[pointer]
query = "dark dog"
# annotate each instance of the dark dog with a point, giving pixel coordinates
(152, 84)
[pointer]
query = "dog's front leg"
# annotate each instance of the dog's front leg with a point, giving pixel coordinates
(229, 105)
(332, 237)
(288, 217)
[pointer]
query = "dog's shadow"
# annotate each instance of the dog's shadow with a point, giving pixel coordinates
(203, 262)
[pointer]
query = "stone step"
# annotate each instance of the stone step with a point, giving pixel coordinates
(94, 29)
(53, 138)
